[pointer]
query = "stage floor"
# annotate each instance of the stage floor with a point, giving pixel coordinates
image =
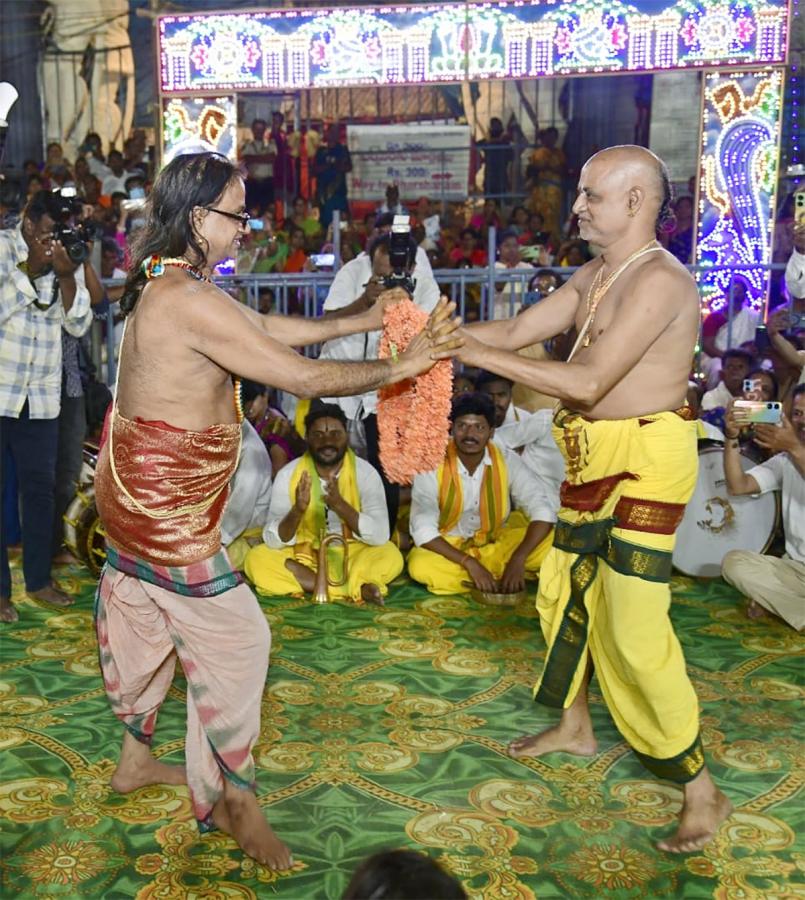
(387, 728)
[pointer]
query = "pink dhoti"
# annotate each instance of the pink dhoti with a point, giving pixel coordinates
(168, 591)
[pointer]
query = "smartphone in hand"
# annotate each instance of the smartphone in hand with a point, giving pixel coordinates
(758, 412)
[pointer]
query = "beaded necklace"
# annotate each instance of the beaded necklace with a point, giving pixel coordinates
(153, 267)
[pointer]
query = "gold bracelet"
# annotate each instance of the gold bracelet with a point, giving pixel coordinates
(393, 351)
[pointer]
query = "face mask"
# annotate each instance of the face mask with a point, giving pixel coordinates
(137, 193)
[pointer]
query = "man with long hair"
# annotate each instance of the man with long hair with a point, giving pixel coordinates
(171, 446)
(630, 455)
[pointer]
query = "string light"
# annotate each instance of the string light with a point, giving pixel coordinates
(740, 129)
(300, 48)
(194, 123)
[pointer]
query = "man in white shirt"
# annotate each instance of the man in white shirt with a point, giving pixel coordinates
(329, 489)
(527, 434)
(736, 366)
(41, 291)
(509, 294)
(246, 507)
(258, 155)
(460, 513)
(720, 335)
(115, 181)
(776, 585)
(356, 287)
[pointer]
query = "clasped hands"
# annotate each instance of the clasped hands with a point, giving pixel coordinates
(330, 494)
(512, 580)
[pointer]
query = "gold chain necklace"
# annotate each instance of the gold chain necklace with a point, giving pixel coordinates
(599, 287)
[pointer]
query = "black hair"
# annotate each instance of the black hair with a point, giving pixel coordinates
(251, 390)
(798, 391)
(546, 273)
(384, 219)
(473, 405)
(484, 377)
(320, 410)
(47, 203)
(665, 214)
(109, 244)
(775, 384)
(384, 242)
(259, 121)
(187, 182)
(472, 231)
(736, 353)
(506, 234)
(400, 875)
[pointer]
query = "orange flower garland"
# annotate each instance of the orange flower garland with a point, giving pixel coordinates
(413, 416)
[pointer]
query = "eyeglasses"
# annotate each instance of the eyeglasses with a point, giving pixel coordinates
(241, 218)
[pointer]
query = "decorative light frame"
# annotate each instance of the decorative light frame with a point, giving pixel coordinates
(739, 161)
(293, 49)
(199, 123)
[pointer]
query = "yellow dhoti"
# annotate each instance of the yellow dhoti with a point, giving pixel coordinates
(441, 576)
(379, 565)
(604, 591)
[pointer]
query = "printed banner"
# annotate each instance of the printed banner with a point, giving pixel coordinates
(422, 160)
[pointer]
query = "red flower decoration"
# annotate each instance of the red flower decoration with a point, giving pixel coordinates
(413, 416)
(688, 32)
(744, 29)
(563, 40)
(319, 52)
(617, 35)
(198, 56)
(372, 48)
(252, 53)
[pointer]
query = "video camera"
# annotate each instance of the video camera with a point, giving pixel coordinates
(64, 206)
(402, 254)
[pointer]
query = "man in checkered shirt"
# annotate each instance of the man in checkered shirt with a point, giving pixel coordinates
(41, 292)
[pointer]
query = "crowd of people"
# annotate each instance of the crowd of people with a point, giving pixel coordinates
(521, 490)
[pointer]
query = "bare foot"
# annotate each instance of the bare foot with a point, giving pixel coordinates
(703, 811)
(579, 741)
(52, 595)
(370, 593)
(306, 577)
(755, 610)
(138, 768)
(65, 558)
(8, 612)
(238, 814)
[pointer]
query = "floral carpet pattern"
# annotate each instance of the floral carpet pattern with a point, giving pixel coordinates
(388, 728)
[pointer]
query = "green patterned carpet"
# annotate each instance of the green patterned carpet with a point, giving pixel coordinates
(387, 728)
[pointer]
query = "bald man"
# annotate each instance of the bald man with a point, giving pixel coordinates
(631, 466)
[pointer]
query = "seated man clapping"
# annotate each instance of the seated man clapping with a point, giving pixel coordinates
(460, 512)
(329, 489)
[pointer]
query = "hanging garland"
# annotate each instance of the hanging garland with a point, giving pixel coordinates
(413, 416)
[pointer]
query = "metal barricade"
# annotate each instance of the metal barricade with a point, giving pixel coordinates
(492, 292)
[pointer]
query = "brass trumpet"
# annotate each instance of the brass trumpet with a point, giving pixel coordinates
(321, 593)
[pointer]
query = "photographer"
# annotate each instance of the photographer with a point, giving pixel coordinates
(356, 287)
(41, 290)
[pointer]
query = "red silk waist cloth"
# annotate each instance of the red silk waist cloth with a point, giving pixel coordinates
(161, 491)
